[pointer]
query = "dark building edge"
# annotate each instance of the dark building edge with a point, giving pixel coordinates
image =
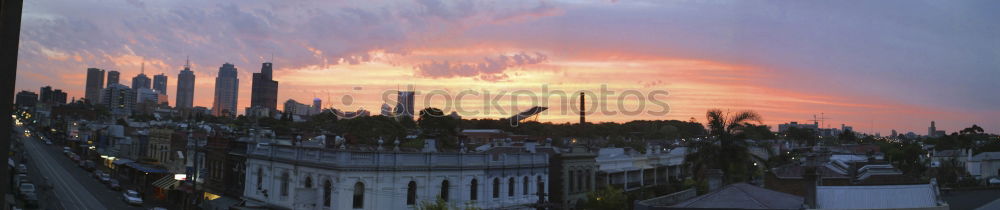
(11, 24)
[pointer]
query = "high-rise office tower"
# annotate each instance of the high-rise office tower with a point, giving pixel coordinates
(26, 99)
(931, 130)
(141, 81)
(113, 77)
(226, 91)
(160, 83)
(95, 80)
(58, 97)
(404, 105)
(264, 90)
(120, 99)
(317, 106)
(45, 94)
(185, 87)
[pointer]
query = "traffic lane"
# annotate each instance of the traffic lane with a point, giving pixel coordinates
(46, 194)
(103, 193)
(65, 187)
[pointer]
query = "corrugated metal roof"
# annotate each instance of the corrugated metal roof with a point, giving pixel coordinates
(744, 196)
(876, 197)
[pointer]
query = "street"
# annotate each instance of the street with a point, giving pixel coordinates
(73, 187)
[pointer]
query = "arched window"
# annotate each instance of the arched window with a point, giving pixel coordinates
(260, 178)
(411, 193)
(510, 187)
(284, 184)
(309, 182)
(541, 187)
(474, 190)
(327, 192)
(444, 190)
(586, 180)
(525, 185)
(572, 184)
(359, 195)
(496, 187)
(579, 181)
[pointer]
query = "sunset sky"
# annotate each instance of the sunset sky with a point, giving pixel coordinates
(875, 65)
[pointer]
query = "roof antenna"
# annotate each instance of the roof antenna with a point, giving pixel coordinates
(187, 62)
(142, 69)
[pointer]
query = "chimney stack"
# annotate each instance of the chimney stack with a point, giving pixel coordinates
(811, 177)
(582, 112)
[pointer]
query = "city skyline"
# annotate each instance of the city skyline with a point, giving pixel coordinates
(458, 46)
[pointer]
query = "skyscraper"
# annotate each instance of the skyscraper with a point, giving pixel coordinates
(185, 87)
(113, 77)
(120, 99)
(26, 99)
(58, 97)
(931, 130)
(404, 105)
(160, 83)
(317, 106)
(226, 91)
(45, 94)
(264, 90)
(141, 81)
(95, 80)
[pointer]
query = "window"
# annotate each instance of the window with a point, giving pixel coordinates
(496, 187)
(260, 178)
(284, 184)
(474, 190)
(572, 186)
(525, 186)
(444, 190)
(359, 195)
(541, 187)
(579, 181)
(411, 193)
(327, 192)
(510, 187)
(309, 182)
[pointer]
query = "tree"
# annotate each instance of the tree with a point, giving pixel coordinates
(730, 154)
(847, 137)
(802, 135)
(606, 198)
(434, 124)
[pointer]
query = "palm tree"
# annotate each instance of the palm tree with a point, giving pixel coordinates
(722, 149)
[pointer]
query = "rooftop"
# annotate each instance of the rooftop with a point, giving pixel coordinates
(744, 196)
(876, 197)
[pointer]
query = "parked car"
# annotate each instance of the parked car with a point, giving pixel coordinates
(27, 192)
(21, 179)
(132, 197)
(49, 142)
(26, 189)
(22, 169)
(114, 185)
(98, 174)
(105, 178)
(88, 165)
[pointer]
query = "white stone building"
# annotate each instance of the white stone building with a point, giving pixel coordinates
(631, 170)
(287, 177)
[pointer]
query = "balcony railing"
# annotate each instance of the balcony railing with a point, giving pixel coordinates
(389, 160)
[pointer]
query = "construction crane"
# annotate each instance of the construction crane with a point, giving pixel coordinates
(819, 120)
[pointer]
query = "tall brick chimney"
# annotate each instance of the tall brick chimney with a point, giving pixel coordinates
(582, 110)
